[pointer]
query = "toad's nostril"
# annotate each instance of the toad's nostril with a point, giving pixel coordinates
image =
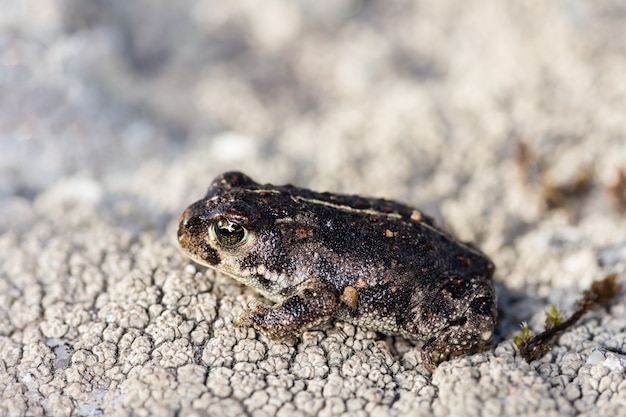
(185, 222)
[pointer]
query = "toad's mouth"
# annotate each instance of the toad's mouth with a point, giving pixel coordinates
(272, 286)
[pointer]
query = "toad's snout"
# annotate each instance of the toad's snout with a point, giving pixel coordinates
(183, 222)
(193, 220)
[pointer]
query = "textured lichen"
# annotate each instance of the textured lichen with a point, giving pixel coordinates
(116, 114)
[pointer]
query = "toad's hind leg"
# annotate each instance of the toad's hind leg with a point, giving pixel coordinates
(313, 302)
(458, 318)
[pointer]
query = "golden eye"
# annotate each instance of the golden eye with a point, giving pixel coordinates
(229, 233)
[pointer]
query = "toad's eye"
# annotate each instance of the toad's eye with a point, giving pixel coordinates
(228, 233)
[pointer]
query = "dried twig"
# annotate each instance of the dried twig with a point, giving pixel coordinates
(534, 347)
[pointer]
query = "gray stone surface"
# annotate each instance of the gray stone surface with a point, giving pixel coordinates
(116, 115)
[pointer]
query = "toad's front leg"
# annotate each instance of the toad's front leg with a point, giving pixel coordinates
(313, 302)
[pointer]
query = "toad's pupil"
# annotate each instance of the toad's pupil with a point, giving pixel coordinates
(229, 233)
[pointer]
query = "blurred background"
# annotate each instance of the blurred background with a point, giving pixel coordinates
(415, 100)
(505, 120)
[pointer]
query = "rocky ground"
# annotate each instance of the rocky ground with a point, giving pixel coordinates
(503, 120)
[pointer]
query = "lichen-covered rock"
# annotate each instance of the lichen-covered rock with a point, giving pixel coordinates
(117, 114)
